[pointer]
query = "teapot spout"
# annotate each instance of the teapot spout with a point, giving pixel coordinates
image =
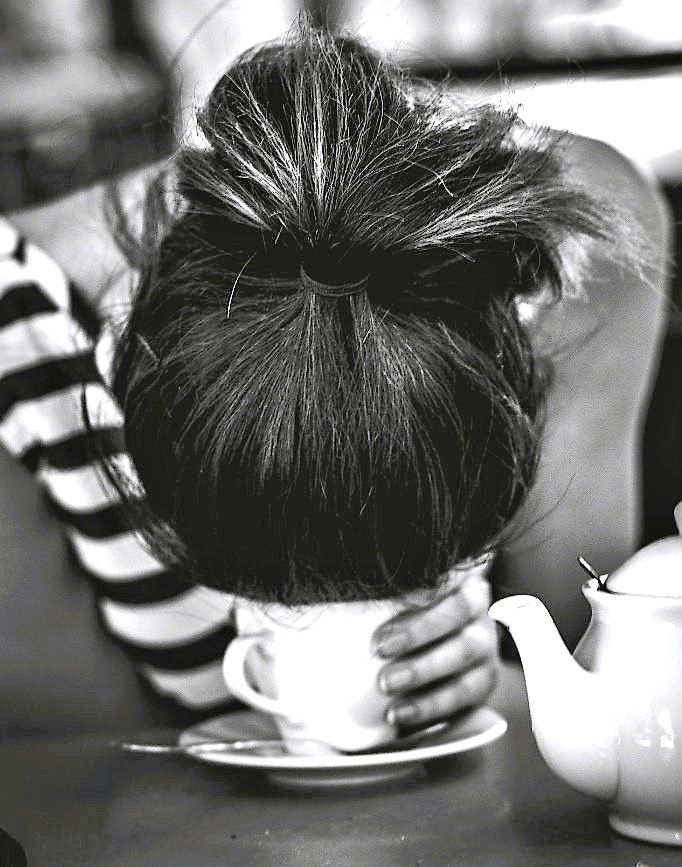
(571, 715)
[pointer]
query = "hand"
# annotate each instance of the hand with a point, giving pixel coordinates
(443, 658)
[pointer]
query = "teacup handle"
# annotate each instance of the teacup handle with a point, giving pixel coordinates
(234, 672)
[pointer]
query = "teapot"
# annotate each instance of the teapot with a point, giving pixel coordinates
(609, 719)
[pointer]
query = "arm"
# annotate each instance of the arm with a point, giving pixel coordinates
(586, 499)
(587, 496)
(176, 632)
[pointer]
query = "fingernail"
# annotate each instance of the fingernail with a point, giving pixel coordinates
(391, 643)
(402, 713)
(395, 679)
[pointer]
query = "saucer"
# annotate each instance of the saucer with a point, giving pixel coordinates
(480, 727)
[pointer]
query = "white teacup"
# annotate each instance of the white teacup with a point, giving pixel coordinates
(315, 670)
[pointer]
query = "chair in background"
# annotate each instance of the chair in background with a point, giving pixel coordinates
(74, 107)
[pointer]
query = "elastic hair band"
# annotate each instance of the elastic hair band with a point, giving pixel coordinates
(333, 290)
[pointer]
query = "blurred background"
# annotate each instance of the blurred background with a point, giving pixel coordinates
(89, 88)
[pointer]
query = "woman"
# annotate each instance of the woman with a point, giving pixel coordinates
(351, 332)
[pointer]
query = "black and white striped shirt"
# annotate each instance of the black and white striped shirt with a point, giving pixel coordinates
(176, 632)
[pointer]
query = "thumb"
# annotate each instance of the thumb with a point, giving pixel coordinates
(678, 516)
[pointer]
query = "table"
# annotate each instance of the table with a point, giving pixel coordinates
(75, 801)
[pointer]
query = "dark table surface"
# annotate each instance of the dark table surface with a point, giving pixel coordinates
(73, 800)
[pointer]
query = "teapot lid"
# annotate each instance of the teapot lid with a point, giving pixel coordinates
(655, 570)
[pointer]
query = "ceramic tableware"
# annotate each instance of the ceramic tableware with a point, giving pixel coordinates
(315, 670)
(609, 721)
(323, 770)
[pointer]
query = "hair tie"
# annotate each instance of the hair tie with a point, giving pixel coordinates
(333, 290)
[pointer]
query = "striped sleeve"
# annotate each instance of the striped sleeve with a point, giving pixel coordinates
(175, 632)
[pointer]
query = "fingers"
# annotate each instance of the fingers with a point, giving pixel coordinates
(412, 630)
(447, 655)
(470, 689)
(474, 644)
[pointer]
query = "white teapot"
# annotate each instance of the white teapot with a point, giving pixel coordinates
(609, 720)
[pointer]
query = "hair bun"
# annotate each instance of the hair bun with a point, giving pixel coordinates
(313, 451)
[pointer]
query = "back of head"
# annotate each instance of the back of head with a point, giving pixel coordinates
(300, 447)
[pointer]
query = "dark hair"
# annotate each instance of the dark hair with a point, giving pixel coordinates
(299, 448)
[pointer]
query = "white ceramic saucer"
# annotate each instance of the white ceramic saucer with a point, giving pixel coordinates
(474, 730)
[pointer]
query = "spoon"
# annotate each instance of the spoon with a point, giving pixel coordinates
(592, 572)
(258, 745)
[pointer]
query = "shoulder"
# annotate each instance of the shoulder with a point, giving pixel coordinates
(589, 160)
(620, 183)
(635, 200)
